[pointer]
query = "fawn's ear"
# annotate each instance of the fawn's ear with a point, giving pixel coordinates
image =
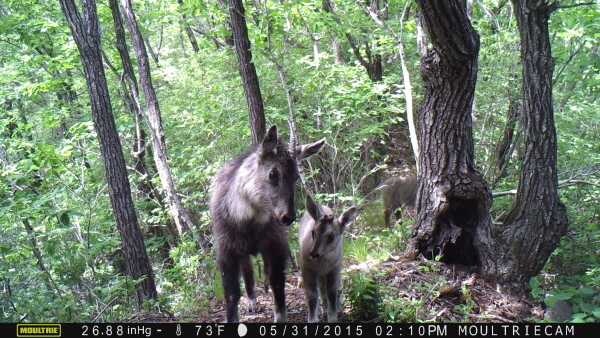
(312, 208)
(347, 217)
(308, 150)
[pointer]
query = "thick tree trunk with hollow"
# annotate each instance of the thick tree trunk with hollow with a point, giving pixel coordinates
(452, 197)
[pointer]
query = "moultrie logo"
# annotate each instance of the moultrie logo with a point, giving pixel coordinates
(38, 330)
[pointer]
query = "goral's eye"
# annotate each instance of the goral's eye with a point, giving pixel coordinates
(312, 233)
(329, 239)
(273, 176)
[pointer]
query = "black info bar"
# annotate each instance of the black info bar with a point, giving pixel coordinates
(256, 330)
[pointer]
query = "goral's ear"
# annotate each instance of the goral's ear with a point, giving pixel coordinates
(312, 208)
(346, 218)
(307, 150)
(269, 143)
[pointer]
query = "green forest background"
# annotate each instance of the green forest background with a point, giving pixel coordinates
(60, 255)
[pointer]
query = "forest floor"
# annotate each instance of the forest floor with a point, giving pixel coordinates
(460, 296)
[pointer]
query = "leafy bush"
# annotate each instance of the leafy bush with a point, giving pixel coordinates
(362, 292)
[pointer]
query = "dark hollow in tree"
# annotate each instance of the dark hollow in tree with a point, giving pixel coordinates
(87, 37)
(453, 200)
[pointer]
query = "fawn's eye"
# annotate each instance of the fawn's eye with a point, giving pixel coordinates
(273, 175)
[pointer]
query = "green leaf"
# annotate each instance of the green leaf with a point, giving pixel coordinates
(585, 306)
(5, 249)
(579, 318)
(563, 295)
(588, 291)
(64, 217)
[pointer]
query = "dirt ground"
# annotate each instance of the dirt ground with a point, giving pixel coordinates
(488, 303)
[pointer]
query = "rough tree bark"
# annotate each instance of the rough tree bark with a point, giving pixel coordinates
(182, 218)
(453, 199)
(131, 92)
(517, 251)
(250, 82)
(87, 37)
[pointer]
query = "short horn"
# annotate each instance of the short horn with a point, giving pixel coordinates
(292, 143)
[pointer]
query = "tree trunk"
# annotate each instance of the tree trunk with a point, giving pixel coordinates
(131, 91)
(532, 230)
(87, 37)
(337, 49)
(188, 29)
(145, 187)
(46, 275)
(509, 141)
(183, 220)
(453, 199)
(250, 82)
(336, 46)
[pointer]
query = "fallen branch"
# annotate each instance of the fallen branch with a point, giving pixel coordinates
(490, 316)
(106, 307)
(561, 184)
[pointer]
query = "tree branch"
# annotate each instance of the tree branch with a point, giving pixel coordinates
(490, 14)
(405, 73)
(569, 182)
(106, 307)
(561, 184)
(558, 5)
(569, 59)
(580, 4)
(351, 40)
